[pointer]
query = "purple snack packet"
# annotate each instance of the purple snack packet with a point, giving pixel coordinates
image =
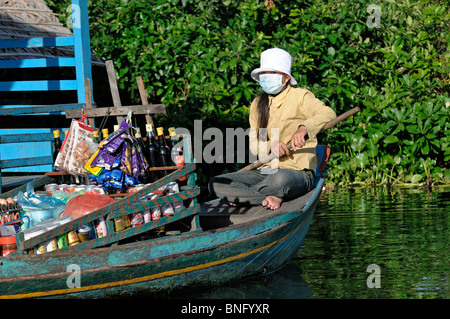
(126, 165)
(123, 127)
(116, 143)
(105, 159)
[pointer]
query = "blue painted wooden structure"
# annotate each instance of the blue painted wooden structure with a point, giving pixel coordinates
(233, 243)
(34, 149)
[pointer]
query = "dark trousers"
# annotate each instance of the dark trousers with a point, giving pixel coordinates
(252, 187)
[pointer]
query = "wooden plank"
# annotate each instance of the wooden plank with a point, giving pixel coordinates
(87, 88)
(37, 63)
(143, 94)
(13, 110)
(37, 42)
(21, 149)
(82, 47)
(113, 87)
(118, 110)
(113, 83)
(42, 85)
(22, 138)
(34, 161)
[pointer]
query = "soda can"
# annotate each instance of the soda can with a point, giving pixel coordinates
(62, 241)
(126, 219)
(84, 233)
(72, 238)
(99, 189)
(71, 188)
(40, 249)
(50, 188)
(167, 210)
(51, 245)
(137, 219)
(119, 225)
(79, 188)
(89, 188)
(173, 186)
(147, 215)
(156, 212)
(62, 187)
(100, 227)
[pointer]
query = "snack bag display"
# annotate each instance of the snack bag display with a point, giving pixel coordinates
(76, 150)
(119, 162)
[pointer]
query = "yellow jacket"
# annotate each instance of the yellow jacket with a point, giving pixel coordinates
(288, 110)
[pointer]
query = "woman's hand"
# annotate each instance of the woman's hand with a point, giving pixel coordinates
(298, 138)
(279, 149)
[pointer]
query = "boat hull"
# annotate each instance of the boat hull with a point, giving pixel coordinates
(202, 258)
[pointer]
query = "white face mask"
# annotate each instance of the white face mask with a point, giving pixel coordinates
(271, 83)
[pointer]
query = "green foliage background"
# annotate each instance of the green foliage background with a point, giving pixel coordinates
(196, 58)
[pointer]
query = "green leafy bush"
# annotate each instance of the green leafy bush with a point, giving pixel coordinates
(390, 58)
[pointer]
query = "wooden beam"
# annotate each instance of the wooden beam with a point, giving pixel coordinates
(113, 86)
(13, 110)
(82, 46)
(118, 110)
(37, 42)
(87, 88)
(143, 94)
(23, 138)
(39, 85)
(33, 161)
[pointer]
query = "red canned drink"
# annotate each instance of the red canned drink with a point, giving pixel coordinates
(156, 212)
(100, 227)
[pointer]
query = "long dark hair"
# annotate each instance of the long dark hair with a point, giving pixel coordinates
(263, 116)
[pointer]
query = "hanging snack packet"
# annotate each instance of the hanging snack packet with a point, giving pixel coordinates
(77, 148)
(95, 170)
(110, 148)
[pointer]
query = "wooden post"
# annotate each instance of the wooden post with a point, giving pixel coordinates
(87, 88)
(144, 100)
(113, 86)
(82, 46)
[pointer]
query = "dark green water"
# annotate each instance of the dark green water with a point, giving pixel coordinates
(404, 232)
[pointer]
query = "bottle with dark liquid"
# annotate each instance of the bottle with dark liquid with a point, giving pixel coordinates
(57, 143)
(152, 151)
(144, 178)
(164, 151)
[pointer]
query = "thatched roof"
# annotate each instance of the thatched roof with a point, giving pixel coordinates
(32, 19)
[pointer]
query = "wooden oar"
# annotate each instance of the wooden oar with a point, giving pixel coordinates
(328, 125)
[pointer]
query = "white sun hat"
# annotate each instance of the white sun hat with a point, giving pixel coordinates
(275, 60)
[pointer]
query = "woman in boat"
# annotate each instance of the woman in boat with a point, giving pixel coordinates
(281, 114)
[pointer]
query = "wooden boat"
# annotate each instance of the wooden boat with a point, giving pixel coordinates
(219, 244)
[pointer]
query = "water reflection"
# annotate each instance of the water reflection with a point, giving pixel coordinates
(405, 232)
(286, 283)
